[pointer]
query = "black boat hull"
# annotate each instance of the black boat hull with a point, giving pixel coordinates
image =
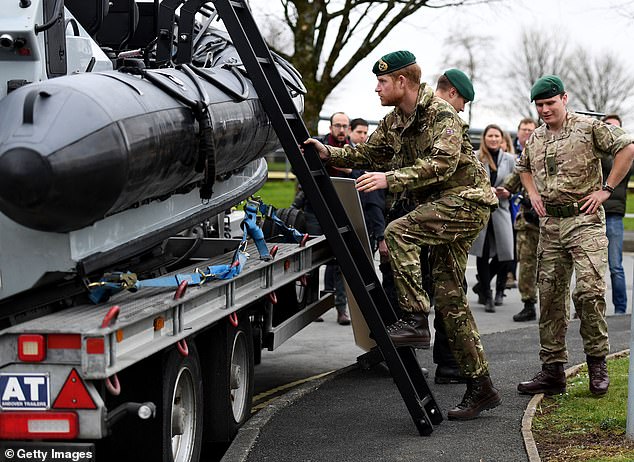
(95, 144)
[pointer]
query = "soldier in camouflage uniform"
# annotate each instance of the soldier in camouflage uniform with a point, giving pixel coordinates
(561, 171)
(419, 146)
(527, 227)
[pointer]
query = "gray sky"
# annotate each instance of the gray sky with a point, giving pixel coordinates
(583, 22)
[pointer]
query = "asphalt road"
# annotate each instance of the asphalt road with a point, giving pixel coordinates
(326, 346)
(359, 415)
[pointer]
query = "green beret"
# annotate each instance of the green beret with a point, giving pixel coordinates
(462, 83)
(547, 87)
(393, 62)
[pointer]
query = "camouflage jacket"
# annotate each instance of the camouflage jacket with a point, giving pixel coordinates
(427, 155)
(566, 165)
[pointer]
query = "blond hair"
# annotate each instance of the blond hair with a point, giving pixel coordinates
(506, 139)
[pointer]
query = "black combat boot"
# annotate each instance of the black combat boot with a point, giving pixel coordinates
(489, 307)
(476, 290)
(551, 380)
(499, 298)
(527, 314)
(411, 330)
(598, 375)
(446, 373)
(480, 396)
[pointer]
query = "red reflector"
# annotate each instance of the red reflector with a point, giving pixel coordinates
(74, 394)
(95, 346)
(63, 342)
(31, 348)
(36, 425)
(24, 51)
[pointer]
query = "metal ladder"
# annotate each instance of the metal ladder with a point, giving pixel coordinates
(346, 246)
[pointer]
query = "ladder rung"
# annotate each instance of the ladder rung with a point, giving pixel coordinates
(276, 99)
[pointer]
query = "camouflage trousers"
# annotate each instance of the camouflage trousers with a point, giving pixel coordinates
(448, 225)
(526, 248)
(566, 244)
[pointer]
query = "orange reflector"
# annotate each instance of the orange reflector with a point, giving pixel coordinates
(38, 425)
(119, 335)
(159, 323)
(74, 394)
(95, 346)
(31, 348)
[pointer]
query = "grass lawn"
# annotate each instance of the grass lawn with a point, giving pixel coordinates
(578, 426)
(279, 194)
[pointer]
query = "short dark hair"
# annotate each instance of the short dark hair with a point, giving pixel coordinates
(612, 116)
(444, 84)
(354, 123)
(335, 113)
(527, 120)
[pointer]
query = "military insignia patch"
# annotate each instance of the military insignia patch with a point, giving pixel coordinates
(382, 65)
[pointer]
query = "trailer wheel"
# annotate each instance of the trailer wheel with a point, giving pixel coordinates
(291, 216)
(294, 297)
(182, 406)
(228, 381)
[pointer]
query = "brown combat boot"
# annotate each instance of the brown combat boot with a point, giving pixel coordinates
(550, 381)
(411, 330)
(480, 396)
(598, 375)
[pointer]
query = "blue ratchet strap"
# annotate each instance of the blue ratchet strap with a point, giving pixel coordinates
(250, 228)
(113, 283)
(290, 233)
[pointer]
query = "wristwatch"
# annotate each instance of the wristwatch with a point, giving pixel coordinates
(607, 187)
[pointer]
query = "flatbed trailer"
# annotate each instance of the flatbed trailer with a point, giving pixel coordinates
(73, 376)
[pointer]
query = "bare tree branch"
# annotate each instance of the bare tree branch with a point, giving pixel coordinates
(468, 52)
(323, 31)
(540, 53)
(600, 82)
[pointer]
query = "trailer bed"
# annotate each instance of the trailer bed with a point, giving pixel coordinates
(151, 319)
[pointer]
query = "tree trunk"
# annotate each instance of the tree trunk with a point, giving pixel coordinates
(312, 106)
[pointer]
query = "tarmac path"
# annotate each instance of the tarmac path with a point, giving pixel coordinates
(359, 415)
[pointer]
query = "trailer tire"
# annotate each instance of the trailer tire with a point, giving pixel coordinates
(228, 379)
(182, 406)
(161, 379)
(291, 216)
(295, 296)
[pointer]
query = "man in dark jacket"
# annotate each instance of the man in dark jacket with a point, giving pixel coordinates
(614, 212)
(333, 279)
(373, 203)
